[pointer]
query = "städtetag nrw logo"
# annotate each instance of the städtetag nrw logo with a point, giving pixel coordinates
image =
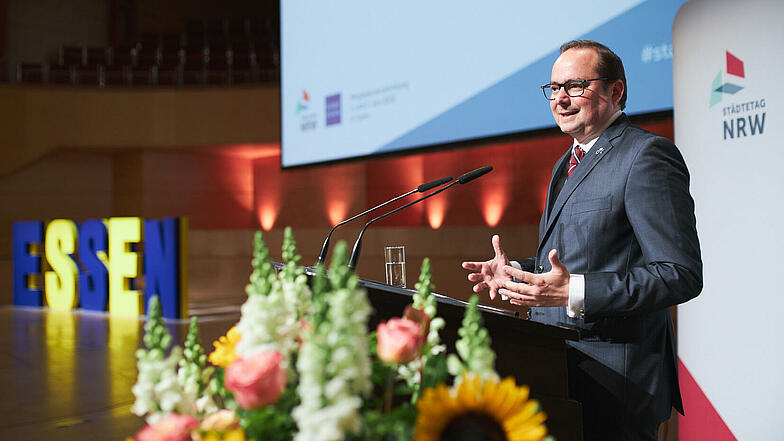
(734, 78)
(303, 102)
(307, 118)
(740, 118)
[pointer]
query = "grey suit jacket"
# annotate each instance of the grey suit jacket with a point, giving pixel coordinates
(624, 219)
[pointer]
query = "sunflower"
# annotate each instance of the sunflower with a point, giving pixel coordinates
(224, 353)
(477, 408)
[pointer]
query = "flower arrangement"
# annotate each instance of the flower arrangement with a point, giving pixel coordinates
(300, 365)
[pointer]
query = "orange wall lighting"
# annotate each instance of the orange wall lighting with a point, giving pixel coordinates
(342, 186)
(336, 211)
(268, 214)
(436, 209)
(494, 202)
(251, 151)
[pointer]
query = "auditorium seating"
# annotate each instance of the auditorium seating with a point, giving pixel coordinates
(208, 53)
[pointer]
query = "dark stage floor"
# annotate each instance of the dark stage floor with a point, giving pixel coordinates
(68, 375)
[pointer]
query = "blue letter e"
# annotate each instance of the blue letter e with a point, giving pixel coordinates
(25, 263)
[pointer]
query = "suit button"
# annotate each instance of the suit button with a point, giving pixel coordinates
(539, 269)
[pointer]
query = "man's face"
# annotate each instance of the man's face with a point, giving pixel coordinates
(582, 116)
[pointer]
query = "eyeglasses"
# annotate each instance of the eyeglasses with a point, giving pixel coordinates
(574, 88)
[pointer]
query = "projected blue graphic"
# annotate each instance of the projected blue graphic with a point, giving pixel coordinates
(411, 74)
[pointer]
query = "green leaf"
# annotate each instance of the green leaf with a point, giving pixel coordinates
(397, 425)
(435, 371)
(273, 422)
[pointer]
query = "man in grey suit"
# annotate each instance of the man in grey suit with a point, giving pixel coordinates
(617, 247)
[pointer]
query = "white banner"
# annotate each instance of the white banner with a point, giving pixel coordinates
(728, 116)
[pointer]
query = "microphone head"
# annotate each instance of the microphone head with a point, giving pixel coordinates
(470, 176)
(433, 184)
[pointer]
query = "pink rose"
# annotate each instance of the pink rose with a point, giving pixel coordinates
(419, 316)
(256, 381)
(399, 340)
(223, 419)
(172, 427)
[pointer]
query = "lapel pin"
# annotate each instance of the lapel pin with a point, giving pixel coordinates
(601, 149)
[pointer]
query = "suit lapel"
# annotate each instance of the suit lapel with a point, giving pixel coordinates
(553, 180)
(599, 150)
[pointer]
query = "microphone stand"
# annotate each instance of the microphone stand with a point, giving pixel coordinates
(422, 188)
(463, 179)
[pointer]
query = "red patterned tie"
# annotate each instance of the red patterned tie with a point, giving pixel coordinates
(577, 156)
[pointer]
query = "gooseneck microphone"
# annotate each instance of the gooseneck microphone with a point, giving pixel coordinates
(463, 179)
(422, 188)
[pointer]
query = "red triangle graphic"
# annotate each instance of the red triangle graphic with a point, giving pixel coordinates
(734, 65)
(701, 421)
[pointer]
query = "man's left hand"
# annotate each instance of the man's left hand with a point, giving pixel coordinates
(546, 289)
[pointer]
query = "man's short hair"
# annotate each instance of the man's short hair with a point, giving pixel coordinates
(610, 65)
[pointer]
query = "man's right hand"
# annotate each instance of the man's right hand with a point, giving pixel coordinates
(489, 274)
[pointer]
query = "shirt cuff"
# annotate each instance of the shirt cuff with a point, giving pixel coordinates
(515, 264)
(576, 307)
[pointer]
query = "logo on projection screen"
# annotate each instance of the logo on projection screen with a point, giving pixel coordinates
(735, 76)
(303, 102)
(333, 109)
(307, 119)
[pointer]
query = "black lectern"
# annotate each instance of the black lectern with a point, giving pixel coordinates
(534, 353)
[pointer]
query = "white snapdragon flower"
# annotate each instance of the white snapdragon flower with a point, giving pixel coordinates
(190, 379)
(271, 322)
(334, 368)
(268, 323)
(157, 390)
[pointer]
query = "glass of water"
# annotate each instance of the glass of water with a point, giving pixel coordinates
(395, 260)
